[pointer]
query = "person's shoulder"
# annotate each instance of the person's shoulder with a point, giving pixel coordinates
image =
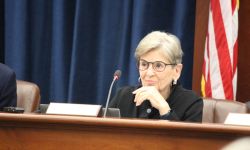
(188, 94)
(7, 76)
(126, 89)
(5, 70)
(122, 96)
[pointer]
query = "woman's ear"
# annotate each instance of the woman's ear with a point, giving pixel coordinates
(178, 69)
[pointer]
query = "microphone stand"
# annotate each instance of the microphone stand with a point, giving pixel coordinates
(108, 98)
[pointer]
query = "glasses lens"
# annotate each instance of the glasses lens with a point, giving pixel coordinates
(159, 66)
(143, 65)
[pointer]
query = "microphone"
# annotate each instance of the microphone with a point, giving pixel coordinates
(117, 75)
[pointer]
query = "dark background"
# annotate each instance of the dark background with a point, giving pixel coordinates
(71, 48)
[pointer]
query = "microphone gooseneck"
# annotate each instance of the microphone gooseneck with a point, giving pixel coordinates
(117, 75)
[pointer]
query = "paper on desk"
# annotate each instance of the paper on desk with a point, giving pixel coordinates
(238, 119)
(73, 109)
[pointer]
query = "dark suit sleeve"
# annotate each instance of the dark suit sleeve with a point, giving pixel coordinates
(170, 116)
(8, 92)
(192, 114)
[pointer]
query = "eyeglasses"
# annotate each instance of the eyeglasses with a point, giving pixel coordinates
(158, 66)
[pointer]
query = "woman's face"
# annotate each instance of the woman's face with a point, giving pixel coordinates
(161, 80)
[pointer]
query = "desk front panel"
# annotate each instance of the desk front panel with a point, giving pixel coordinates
(31, 131)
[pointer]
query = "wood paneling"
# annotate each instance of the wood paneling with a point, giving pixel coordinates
(201, 22)
(243, 88)
(27, 131)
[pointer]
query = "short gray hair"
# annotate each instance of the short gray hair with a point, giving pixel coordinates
(166, 42)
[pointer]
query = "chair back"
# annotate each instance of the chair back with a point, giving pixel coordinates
(28, 96)
(216, 111)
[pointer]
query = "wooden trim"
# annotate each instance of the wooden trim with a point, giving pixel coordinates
(31, 131)
(201, 23)
(243, 86)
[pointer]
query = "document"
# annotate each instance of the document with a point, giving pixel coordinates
(73, 109)
(238, 119)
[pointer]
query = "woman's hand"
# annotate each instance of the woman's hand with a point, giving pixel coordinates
(152, 94)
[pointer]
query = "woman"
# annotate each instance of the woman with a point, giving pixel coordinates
(160, 95)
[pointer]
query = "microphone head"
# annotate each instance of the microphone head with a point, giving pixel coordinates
(117, 74)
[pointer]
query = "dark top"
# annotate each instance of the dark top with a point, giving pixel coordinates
(185, 105)
(8, 96)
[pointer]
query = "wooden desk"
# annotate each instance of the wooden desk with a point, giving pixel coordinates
(27, 131)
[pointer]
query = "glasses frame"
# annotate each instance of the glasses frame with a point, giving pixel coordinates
(153, 66)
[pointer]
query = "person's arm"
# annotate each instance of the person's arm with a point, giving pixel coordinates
(8, 92)
(192, 114)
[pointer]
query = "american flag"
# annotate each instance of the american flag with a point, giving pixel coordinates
(219, 72)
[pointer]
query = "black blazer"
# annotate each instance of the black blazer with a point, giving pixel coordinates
(185, 105)
(8, 96)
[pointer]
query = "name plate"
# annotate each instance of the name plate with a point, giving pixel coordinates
(238, 119)
(73, 109)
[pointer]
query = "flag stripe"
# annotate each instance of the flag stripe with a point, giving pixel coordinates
(234, 2)
(214, 69)
(222, 49)
(235, 58)
(208, 84)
